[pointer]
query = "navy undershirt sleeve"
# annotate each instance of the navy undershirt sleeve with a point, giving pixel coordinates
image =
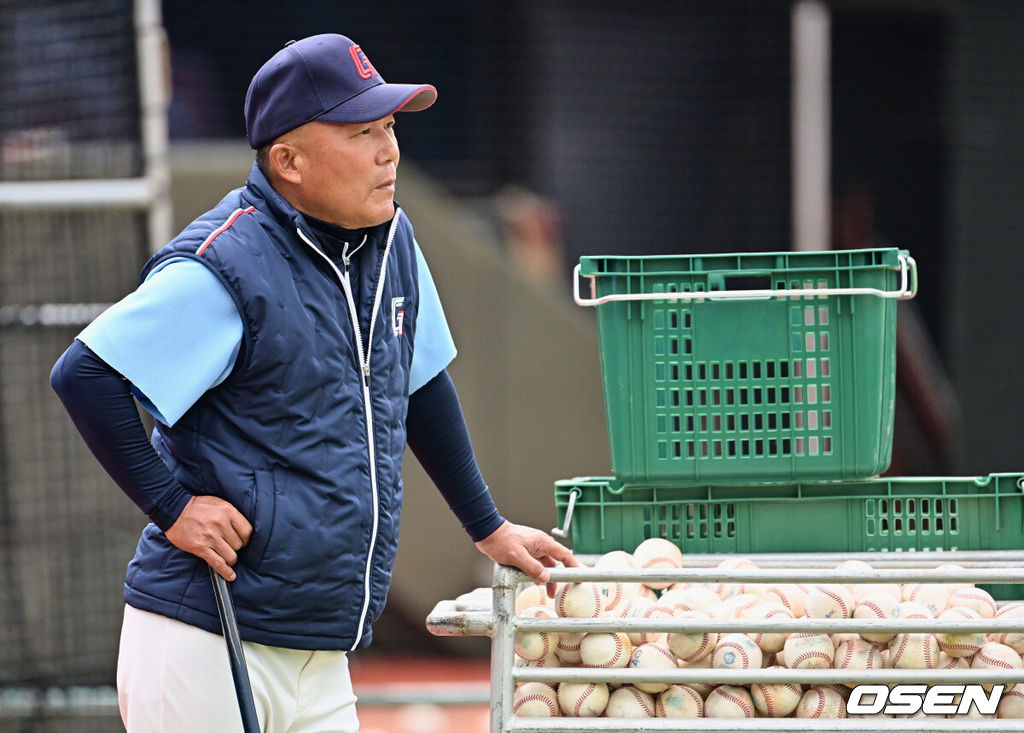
(103, 410)
(439, 439)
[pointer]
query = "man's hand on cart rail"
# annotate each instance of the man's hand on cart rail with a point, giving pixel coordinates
(528, 549)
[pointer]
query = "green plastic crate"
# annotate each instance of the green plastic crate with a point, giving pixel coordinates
(908, 514)
(710, 374)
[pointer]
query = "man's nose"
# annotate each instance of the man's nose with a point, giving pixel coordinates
(388, 149)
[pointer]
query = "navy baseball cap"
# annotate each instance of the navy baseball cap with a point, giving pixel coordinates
(328, 78)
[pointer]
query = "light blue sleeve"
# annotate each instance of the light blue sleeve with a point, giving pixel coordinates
(173, 338)
(435, 347)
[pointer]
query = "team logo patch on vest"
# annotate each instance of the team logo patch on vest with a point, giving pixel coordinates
(397, 315)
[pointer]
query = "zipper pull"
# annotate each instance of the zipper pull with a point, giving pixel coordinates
(366, 374)
(345, 256)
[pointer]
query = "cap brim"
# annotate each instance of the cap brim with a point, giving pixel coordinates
(380, 101)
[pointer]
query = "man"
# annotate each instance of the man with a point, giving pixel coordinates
(288, 343)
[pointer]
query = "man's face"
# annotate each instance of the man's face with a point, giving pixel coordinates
(348, 171)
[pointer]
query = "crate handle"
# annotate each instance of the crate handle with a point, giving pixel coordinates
(563, 531)
(906, 290)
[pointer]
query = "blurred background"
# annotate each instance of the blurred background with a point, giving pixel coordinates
(563, 128)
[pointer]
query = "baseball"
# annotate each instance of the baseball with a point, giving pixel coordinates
(788, 594)
(642, 607)
(963, 644)
(582, 699)
(726, 590)
(765, 610)
(994, 655)
(735, 606)
(913, 651)
(679, 701)
(859, 590)
(531, 595)
(912, 609)
(691, 646)
(821, 702)
(1012, 639)
(953, 587)
(775, 700)
(1011, 705)
(652, 656)
(857, 654)
(614, 592)
(947, 662)
(880, 606)
(534, 645)
(933, 596)
(657, 553)
(605, 650)
(551, 660)
(677, 600)
(829, 601)
(629, 702)
(535, 700)
(579, 600)
(808, 651)
(729, 701)
(976, 599)
(568, 647)
(736, 651)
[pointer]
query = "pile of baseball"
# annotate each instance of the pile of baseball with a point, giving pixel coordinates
(708, 650)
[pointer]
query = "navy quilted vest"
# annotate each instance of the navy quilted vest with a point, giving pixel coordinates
(301, 438)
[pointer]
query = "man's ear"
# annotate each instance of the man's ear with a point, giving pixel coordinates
(283, 158)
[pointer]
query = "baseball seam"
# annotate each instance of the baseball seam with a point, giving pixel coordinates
(641, 701)
(795, 664)
(582, 698)
(737, 700)
(766, 700)
(552, 707)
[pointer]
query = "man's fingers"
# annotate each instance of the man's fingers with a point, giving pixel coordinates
(219, 565)
(242, 528)
(532, 567)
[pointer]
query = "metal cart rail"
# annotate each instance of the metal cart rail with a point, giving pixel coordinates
(490, 612)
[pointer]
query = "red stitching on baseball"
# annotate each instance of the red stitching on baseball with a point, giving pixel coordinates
(667, 654)
(583, 698)
(736, 699)
(640, 699)
(705, 641)
(992, 660)
(873, 606)
(765, 698)
(807, 655)
(618, 652)
(824, 590)
(904, 640)
(821, 704)
(570, 647)
(552, 707)
(848, 657)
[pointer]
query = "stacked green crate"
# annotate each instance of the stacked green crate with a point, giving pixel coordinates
(749, 367)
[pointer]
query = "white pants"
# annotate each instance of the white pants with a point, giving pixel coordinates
(173, 677)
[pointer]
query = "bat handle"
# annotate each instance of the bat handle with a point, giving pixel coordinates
(239, 671)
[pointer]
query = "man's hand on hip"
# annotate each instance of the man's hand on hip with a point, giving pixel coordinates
(528, 549)
(213, 530)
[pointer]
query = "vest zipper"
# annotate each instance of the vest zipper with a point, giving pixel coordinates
(364, 363)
